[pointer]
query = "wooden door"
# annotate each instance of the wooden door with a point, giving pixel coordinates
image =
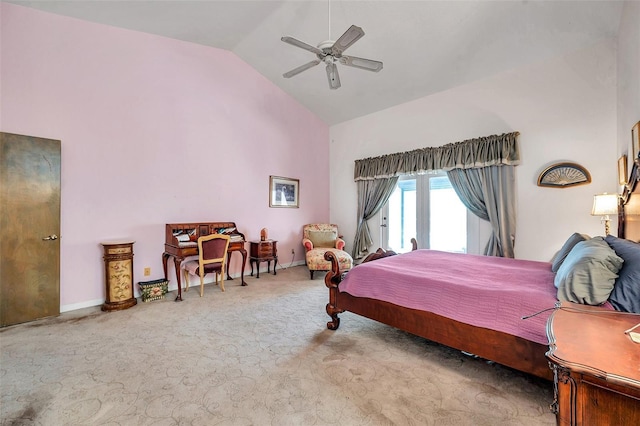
(29, 228)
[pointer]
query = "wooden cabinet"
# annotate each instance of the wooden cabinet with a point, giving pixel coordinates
(118, 270)
(596, 366)
(263, 251)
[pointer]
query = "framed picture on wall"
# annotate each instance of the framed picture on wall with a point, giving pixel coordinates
(622, 170)
(283, 192)
(635, 140)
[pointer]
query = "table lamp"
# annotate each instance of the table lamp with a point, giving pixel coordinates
(604, 205)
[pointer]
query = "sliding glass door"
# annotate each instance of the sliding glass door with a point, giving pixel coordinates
(425, 207)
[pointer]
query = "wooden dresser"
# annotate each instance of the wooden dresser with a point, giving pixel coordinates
(596, 366)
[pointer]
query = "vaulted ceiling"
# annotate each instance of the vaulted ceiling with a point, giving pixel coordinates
(426, 46)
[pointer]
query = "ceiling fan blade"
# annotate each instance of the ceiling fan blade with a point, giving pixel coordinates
(301, 68)
(302, 45)
(350, 36)
(362, 63)
(332, 75)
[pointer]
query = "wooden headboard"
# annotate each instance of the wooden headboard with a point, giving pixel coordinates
(629, 209)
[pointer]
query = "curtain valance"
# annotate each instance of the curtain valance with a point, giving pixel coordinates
(472, 153)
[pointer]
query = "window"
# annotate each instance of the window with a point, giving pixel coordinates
(427, 208)
(401, 216)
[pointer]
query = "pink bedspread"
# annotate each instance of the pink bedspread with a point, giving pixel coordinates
(484, 291)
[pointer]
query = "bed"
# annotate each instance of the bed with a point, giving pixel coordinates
(516, 297)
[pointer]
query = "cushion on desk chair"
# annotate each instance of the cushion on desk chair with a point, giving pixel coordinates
(193, 267)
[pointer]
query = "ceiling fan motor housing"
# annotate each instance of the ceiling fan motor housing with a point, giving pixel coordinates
(327, 57)
(326, 45)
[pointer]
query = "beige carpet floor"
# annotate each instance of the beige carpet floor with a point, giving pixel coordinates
(254, 355)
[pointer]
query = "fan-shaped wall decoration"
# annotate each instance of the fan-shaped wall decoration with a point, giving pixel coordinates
(562, 175)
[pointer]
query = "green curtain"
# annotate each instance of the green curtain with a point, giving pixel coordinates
(372, 195)
(481, 171)
(480, 152)
(489, 193)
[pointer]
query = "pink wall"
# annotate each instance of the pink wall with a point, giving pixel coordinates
(155, 130)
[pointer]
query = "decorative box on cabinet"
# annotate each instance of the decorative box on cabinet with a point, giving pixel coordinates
(118, 270)
(595, 365)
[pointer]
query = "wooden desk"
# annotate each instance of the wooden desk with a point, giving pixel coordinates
(263, 251)
(596, 366)
(180, 250)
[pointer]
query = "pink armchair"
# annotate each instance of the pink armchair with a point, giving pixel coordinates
(318, 238)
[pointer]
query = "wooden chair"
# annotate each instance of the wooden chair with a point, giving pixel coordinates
(212, 256)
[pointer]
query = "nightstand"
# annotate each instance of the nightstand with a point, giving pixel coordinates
(595, 366)
(263, 251)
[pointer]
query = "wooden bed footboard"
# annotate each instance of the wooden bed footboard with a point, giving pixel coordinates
(333, 278)
(502, 348)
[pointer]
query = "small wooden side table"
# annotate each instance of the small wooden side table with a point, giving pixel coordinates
(596, 366)
(118, 271)
(263, 251)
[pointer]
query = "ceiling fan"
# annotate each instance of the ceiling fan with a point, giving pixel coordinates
(331, 52)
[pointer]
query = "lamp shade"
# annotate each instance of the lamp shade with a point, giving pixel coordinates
(605, 204)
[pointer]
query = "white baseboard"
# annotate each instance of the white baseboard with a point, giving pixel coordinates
(81, 305)
(98, 302)
(287, 265)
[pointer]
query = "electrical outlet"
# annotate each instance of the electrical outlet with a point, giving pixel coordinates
(147, 271)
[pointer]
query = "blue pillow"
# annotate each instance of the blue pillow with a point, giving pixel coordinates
(626, 292)
(588, 273)
(561, 255)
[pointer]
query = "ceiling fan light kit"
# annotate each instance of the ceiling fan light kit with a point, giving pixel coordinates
(331, 52)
